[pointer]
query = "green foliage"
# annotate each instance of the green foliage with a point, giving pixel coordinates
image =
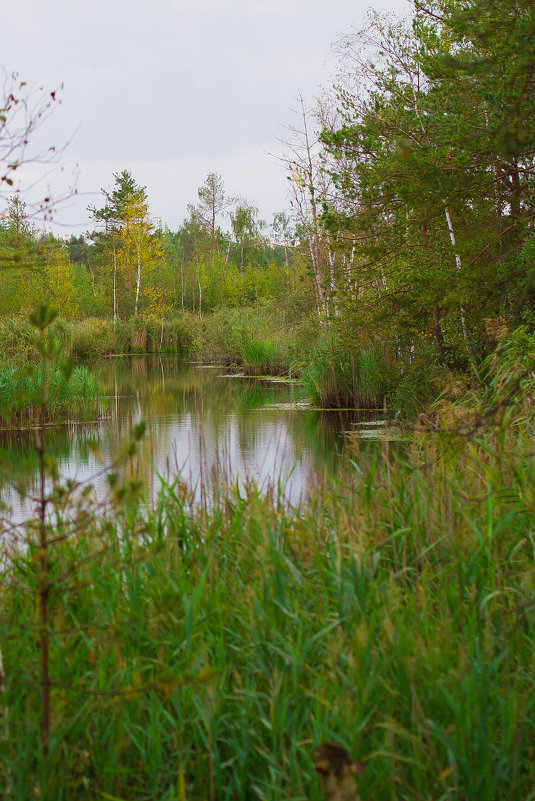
(70, 393)
(431, 156)
(258, 356)
(181, 334)
(417, 385)
(250, 338)
(17, 339)
(93, 338)
(67, 391)
(519, 346)
(336, 376)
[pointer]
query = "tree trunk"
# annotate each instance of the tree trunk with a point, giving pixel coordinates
(114, 285)
(138, 281)
(458, 266)
(435, 311)
(315, 249)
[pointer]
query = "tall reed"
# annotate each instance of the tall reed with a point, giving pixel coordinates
(77, 395)
(335, 376)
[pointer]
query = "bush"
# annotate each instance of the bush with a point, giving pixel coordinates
(93, 338)
(182, 334)
(18, 340)
(417, 385)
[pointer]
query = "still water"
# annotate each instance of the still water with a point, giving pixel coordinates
(203, 423)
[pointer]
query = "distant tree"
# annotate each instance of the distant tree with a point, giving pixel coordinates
(247, 230)
(283, 232)
(212, 202)
(60, 289)
(23, 273)
(125, 235)
(79, 249)
(137, 245)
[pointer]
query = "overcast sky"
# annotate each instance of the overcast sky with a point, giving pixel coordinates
(174, 89)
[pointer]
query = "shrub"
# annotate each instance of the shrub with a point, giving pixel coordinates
(183, 333)
(250, 338)
(417, 385)
(93, 338)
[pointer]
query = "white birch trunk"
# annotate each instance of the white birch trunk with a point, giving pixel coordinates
(114, 285)
(138, 281)
(332, 281)
(458, 267)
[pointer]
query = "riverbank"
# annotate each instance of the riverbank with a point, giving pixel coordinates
(74, 395)
(201, 651)
(256, 340)
(335, 373)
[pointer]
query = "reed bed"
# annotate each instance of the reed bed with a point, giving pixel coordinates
(75, 394)
(337, 377)
(94, 338)
(202, 651)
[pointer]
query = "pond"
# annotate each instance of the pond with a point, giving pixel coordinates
(202, 422)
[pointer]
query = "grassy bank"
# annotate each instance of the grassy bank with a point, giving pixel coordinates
(202, 652)
(337, 373)
(254, 339)
(74, 396)
(95, 338)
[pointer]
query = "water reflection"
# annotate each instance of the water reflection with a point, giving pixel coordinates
(200, 422)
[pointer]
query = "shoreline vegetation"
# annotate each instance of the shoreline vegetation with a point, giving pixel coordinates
(244, 340)
(200, 648)
(75, 397)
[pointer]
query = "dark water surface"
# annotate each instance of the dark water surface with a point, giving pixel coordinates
(201, 422)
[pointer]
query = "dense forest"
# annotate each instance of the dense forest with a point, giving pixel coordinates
(409, 240)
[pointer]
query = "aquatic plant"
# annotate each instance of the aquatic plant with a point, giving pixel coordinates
(337, 376)
(21, 389)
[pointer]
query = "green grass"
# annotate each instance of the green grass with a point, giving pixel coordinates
(94, 338)
(201, 652)
(21, 393)
(335, 376)
(252, 339)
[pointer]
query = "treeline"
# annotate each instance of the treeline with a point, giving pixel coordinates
(129, 266)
